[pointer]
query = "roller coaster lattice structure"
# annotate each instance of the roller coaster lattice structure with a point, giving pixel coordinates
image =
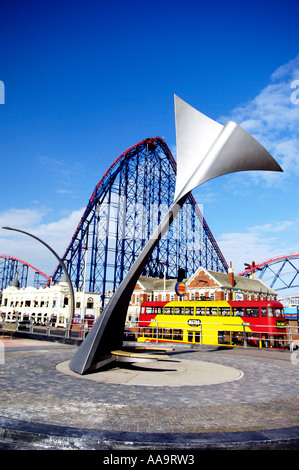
(122, 213)
(12, 268)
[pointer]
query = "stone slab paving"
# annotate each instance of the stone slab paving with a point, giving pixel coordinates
(260, 395)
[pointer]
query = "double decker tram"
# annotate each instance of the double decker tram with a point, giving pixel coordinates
(229, 323)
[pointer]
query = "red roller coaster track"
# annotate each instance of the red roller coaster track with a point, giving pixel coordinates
(268, 262)
(26, 264)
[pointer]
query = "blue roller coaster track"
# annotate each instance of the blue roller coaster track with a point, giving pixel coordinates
(123, 211)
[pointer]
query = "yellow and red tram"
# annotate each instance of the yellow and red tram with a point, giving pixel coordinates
(226, 323)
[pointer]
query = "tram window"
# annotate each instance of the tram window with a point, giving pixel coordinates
(238, 312)
(223, 337)
(263, 312)
(225, 311)
(149, 332)
(168, 311)
(167, 333)
(189, 311)
(281, 341)
(264, 340)
(178, 334)
(278, 312)
(252, 312)
(270, 312)
(149, 310)
(253, 339)
(272, 341)
(179, 310)
(237, 338)
(158, 310)
(211, 311)
(197, 336)
(199, 311)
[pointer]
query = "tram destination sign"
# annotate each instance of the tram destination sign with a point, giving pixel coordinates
(194, 322)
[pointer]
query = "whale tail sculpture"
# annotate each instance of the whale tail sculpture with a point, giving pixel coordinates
(205, 150)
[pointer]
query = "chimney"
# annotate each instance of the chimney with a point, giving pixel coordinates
(231, 277)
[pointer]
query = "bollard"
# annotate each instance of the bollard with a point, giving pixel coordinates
(244, 334)
(67, 330)
(290, 338)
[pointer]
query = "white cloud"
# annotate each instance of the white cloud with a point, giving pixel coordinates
(56, 234)
(259, 242)
(245, 247)
(21, 218)
(273, 119)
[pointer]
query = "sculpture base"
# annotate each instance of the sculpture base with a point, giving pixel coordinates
(131, 355)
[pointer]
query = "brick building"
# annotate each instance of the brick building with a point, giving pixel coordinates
(203, 285)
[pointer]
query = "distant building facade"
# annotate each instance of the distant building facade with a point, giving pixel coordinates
(49, 304)
(52, 304)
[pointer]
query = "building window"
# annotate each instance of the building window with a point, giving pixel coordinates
(89, 302)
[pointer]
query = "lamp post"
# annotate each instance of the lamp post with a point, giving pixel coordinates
(60, 262)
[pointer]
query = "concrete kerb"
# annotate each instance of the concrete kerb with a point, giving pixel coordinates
(24, 435)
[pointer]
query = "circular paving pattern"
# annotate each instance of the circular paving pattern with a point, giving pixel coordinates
(169, 373)
(216, 397)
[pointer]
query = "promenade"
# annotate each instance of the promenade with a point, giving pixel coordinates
(197, 399)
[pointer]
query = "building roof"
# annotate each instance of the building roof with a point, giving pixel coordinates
(155, 284)
(243, 283)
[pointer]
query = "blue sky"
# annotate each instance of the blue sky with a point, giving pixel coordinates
(86, 80)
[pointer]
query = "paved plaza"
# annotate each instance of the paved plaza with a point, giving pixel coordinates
(196, 399)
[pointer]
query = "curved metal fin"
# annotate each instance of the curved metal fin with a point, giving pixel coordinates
(206, 149)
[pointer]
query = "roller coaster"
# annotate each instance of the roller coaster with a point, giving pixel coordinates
(123, 211)
(12, 268)
(279, 273)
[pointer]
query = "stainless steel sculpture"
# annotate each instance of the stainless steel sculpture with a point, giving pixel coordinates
(205, 150)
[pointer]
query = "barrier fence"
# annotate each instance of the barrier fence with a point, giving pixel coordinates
(226, 334)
